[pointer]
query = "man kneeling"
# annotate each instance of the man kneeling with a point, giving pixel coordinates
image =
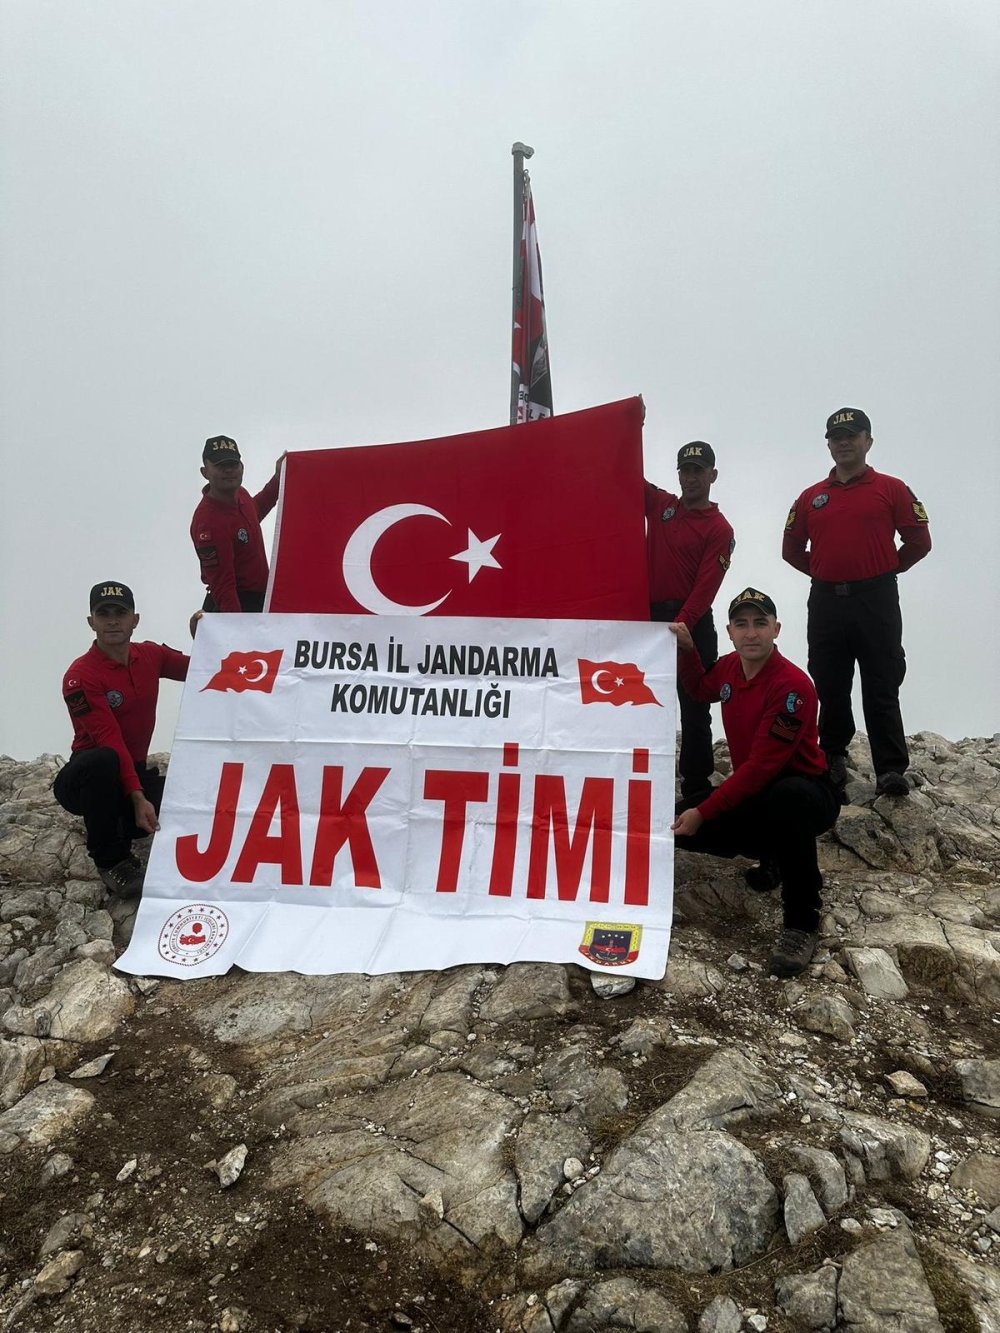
(111, 694)
(778, 798)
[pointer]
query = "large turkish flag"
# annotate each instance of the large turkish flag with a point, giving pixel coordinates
(538, 520)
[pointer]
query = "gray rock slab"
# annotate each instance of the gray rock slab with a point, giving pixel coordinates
(886, 1148)
(979, 1172)
(877, 973)
(43, 1114)
(826, 1175)
(957, 960)
(87, 1002)
(22, 1059)
(699, 1202)
(576, 1079)
(623, 1303)
(809, 1298)
(726, 1089)
(802, 1212)
(979, 1282)
(691, 977)
(830, 1015)
(369, 1159)
(57, 1274)
(883, 1289)
(65, 1232)
(722, 1315)
(543, 1144)
(528, 990)
(980, 1082)
(257, 1008)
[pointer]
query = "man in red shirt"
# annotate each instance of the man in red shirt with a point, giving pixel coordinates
(779, 797)
(111, 694)
(688, 548)
(226, 530)
(849, 522)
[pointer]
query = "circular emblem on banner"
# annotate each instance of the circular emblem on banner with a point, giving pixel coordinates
(115, 698)
(820, 500)
(726, 693)
(243, 536)
(193, 934)
(668, 514)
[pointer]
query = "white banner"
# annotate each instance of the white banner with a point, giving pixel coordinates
(381, 794)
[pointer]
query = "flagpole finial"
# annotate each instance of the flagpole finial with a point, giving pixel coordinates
(521, 148)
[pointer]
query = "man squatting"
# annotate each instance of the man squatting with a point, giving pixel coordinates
(111, 693)
(779, 797)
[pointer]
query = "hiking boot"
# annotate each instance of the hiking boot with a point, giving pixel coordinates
(763, 878)
(838, 769)
(125, 879)
(891, 784)
(793, 953)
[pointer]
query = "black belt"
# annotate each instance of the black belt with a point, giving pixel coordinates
(849, 589)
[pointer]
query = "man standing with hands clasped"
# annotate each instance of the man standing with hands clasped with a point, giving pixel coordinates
(778, 798)
(849, 521)
(689, 545)
(226, 530)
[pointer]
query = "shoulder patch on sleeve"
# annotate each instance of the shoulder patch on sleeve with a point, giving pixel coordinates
(724, 561)
(919, 512)
(785, 727)
(790, 520)
(77, 703)
(208, 555)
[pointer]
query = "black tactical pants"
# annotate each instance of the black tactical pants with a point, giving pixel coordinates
(90, 785)
(859, 623)
(780, 823)
(697, 763)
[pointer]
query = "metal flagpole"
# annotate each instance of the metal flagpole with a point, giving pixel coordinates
(520, 151)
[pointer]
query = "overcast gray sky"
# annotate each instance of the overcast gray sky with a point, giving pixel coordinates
(290, 223)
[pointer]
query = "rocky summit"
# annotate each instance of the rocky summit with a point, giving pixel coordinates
(532, 1149)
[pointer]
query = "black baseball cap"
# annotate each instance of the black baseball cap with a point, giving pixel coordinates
(753, 597)
(221, 449)
(849, 420)
(697, 452)
(111, 593)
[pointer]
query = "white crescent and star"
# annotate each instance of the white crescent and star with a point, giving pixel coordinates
(361, 544)
(619, 681)
(253, 680)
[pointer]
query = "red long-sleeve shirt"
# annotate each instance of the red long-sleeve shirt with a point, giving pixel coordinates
(850, 528)
(770, 723)
(688, 552)
(230, 545)
(114, 704)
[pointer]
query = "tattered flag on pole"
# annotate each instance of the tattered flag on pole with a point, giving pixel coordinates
(531, 344)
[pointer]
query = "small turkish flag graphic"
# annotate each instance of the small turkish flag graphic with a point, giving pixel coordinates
(613, 683)
(246, 671)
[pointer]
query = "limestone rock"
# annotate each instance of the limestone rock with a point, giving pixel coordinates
(877, 973)
(722, 1315)
(528, 990)
(883, 1289)
(86, 1003)
(622, 1303)
(981, 1084)
(979, 1172)
(43, 1114)
(810, 1299)
(700, 1202)
(543, 1144)
(826, 1175)
(830, 1015)
(886, 1148)
(803, 1214)
(725, 1090)
(57, 1274)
